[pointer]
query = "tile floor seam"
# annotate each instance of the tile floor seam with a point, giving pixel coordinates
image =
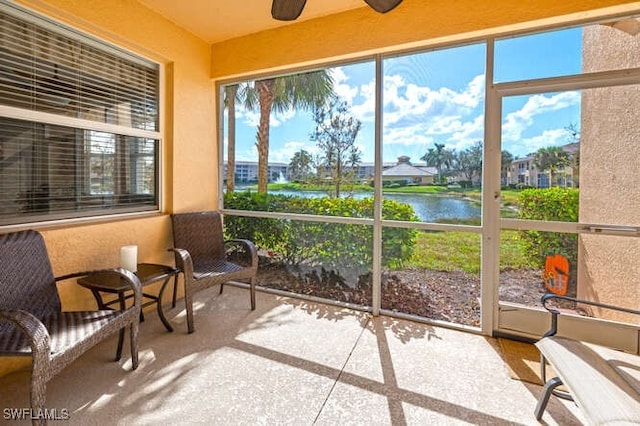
(353, 348)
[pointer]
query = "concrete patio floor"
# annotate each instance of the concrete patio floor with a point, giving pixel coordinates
(291, 362)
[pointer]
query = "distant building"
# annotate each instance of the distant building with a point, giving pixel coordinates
(404, 170)
(523, 171)
(365, 172)
(247, 171)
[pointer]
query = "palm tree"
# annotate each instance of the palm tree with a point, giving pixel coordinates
(230, 97)
(438, 157)
(297, 91)
(551, 158)
(301, 165)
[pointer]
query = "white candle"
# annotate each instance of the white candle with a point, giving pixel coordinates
(129, 258)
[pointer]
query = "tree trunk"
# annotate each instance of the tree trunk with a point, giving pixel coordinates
(338, 176)
(266, 96)
(231, 143)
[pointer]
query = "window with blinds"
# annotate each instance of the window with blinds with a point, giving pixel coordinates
(79, 128)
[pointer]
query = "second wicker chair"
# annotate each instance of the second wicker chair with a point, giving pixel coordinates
(202, 255)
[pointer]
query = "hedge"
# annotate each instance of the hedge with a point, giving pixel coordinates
(331, 245)
(551, 204)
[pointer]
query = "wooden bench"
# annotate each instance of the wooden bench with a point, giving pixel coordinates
(603, 382)
(33, 324)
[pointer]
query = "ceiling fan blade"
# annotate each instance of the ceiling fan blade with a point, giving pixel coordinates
(383, 6)
(287, 10)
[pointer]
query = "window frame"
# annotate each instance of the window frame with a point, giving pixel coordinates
(84, 126)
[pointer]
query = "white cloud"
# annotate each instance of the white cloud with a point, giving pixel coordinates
(446, 125)
(341, 86)
(404, 100)
(286, 152)
(408, 136)
(444, 112)
(365, 110)
(551, 137)
(473, 93)
(469, 133)
(517, 122)
(252, 118)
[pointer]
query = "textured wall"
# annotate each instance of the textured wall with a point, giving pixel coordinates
(609, 172)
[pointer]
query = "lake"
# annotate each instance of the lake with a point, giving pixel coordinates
(428, 207)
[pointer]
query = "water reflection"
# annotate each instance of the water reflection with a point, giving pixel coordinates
(431, 208)
(428, 207)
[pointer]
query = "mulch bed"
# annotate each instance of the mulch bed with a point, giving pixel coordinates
(447, 296)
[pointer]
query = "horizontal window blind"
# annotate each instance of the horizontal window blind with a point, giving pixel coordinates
(44, 71)
(50, 170)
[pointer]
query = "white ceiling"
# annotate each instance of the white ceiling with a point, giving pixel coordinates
(218, 20)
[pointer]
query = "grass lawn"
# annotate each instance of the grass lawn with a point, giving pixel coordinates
(460, 251)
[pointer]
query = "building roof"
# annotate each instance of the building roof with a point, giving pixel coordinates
(407, 170)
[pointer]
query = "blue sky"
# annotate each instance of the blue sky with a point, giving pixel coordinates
(438, 97)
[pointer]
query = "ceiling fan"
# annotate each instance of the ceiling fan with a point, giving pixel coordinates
(289, 10)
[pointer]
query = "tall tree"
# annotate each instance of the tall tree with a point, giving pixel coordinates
(573, 135)
(573, 132)
(469, 161)
(296, 91)
(301, 165)
(507, 159)
(335, 135)
(551, 159)
(574, 163)
(440, 158)
(230, 97)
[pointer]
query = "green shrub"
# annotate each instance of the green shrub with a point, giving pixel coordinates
(394, 183)
(551, 204)
(332, 245)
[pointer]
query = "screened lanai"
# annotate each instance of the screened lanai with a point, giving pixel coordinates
(517, 120)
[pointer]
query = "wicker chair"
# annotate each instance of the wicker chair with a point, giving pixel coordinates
(201, 254)
(32, 322)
